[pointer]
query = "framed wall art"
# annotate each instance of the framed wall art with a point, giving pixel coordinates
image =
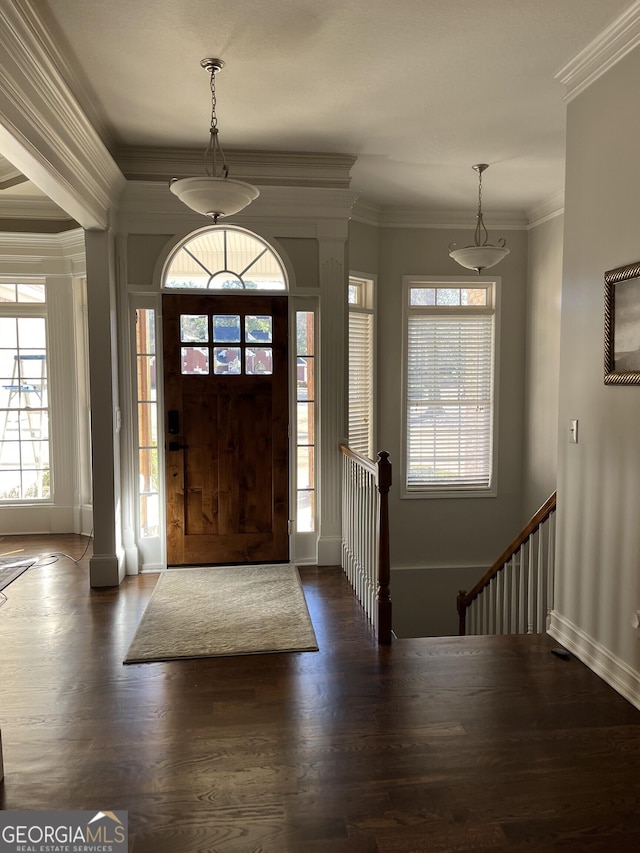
(622, 325)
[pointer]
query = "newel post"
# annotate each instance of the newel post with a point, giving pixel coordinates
(462, 612)
(383, 594)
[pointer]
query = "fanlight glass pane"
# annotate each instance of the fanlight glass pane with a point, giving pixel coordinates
(422, 296)
(22, 293)
(222, 258)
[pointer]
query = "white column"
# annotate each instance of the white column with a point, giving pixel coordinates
(333, 278)
(107, 562)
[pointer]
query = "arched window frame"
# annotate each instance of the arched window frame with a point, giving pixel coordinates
(263, 250)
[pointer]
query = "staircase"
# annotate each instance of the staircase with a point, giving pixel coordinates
(515, 595)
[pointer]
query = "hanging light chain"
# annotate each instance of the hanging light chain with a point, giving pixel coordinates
(214, 148)
(481, 235)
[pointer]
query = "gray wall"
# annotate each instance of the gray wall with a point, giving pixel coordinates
(542, 366)
(439, 546)
(598, 549)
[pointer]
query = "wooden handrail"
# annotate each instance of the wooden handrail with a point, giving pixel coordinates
(465, 598)
(364, 461)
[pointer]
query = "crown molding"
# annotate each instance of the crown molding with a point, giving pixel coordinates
(548, 209)
(9, 175)
(17, 207)
(144, 200)
(43, 254)
(613, 43)
(265, 168)
(397, 217)
(44, 131)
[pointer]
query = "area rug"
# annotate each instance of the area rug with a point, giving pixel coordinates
(12, 569)
(221, 611)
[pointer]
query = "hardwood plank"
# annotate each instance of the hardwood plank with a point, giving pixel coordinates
(439, 744)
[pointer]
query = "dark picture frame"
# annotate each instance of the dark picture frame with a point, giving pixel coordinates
(622, 325)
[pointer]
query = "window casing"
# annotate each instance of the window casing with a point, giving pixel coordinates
(25, 470)
(361, 384)
(305, 422)
(224, 257)
(449, 412)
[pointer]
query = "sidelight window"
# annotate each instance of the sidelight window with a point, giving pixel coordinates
(305, 421)
(147, 422)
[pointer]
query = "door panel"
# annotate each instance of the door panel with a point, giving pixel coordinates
(227, 472)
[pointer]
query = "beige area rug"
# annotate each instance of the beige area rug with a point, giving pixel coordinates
(228, 610)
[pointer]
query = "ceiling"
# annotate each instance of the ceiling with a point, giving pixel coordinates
(418, 90)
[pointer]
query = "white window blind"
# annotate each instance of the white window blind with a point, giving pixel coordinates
(361, 382)
(450, 379)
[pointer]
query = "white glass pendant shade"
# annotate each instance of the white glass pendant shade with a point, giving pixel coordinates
(479, 258)
(214, 194)
(214, 197)
(483, 254)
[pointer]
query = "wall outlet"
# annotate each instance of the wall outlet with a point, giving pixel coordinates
(635, 622)
(573, 431)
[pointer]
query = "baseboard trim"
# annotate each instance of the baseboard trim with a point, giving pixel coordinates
(329, 551)
(106, 569)
(618, 674)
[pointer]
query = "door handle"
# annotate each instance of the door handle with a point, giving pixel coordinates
(173, 425)
(175, 445)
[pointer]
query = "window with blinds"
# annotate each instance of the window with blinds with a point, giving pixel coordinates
(449, 369)
(361, 366)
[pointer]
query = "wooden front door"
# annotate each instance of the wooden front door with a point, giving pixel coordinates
(226, 428)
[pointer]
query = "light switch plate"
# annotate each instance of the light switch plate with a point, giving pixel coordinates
(573, 431)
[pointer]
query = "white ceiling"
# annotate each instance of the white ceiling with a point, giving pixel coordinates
(418, 90)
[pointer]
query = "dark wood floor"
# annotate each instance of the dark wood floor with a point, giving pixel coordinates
(439, 745)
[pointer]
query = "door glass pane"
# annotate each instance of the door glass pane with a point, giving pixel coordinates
(304, 333)
(194, 327)
(194, 360)
(226, 328)
(148, 467)
(258, 329)
(305, 467)
(259, 360)
(305, 519)
(146, 377)
(306, 423)
(149, 515)
(227, 360)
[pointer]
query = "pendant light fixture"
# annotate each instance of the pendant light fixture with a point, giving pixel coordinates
(482, 254)
(214, 194)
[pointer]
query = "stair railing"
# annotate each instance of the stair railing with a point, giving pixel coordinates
(515, 595)
(365, 534)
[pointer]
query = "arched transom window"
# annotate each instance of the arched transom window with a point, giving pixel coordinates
(225, 258)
